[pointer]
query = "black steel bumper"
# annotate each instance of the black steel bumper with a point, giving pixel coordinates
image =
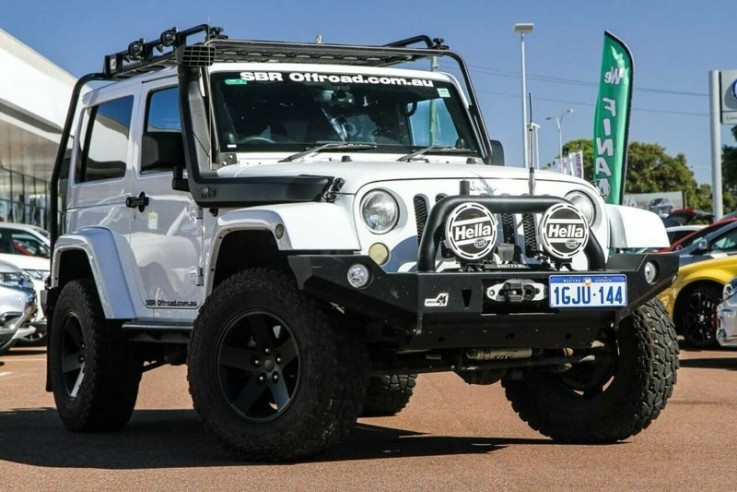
(469, 318)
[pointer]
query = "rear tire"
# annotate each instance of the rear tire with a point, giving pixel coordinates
(601, 403)
(271, 375)
(95, 372)
(388, 394)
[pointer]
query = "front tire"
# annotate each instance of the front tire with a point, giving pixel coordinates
(94, 371)
(271, 375)
(695, 316)
(605, 402)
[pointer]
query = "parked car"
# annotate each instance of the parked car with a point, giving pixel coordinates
(17, 305)
(661, 206)
(677, 233)
(727, 315)
(713, 241)
(685, 216)
(692, 300)
(28, 247)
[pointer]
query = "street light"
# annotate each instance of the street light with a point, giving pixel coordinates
(558, 123)
(522, 29)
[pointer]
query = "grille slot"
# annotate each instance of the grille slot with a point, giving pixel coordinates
(420, 215)
(528, 225)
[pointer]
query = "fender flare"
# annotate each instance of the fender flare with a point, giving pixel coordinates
(104, 255)
(305, 226)
(631, 227)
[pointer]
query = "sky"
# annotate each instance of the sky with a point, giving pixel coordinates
(675, 44)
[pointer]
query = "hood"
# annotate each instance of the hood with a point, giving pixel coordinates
(357, 173)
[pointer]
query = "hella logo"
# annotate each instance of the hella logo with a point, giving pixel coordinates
(563, 231)
(470, 231)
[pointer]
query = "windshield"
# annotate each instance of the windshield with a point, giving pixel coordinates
(290, 111)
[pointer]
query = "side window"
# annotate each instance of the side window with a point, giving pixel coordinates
(727, 242)
(162, 114)
(104, 143)
(161, 146)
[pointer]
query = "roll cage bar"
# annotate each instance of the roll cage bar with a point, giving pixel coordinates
(176, 48)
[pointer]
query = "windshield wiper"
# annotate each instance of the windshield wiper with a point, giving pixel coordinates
(329, 146)
(434, 149)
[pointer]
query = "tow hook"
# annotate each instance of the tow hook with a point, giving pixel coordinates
(516, 291)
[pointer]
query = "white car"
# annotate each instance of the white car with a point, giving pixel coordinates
(17, 305)
(727, 316)
(308, 226)
(28, 248)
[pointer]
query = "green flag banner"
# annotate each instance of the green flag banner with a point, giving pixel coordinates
(612, 118)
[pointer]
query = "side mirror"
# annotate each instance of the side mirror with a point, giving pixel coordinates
(162, 151)
(702, 246)
(497, 153)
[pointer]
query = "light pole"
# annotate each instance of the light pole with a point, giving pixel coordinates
(522, 29)
(558, 123)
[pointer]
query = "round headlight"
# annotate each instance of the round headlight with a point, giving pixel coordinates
(584, 203)
(380, 211)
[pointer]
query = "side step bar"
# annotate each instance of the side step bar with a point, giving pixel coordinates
(158, 332)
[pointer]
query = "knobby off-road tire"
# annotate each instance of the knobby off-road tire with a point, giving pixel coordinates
(95, 372)
(593, 403)
(272, 375)
(388, 394)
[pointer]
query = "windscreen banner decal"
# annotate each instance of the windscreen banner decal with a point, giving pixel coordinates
(333, 78)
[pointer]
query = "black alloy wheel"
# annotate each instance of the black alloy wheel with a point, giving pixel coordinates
(258, 366)
(697, 316)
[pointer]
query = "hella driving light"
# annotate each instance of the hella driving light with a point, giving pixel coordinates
(358, 275)
(583, 203)
(563, 231)
(380, 211)
(651, 272)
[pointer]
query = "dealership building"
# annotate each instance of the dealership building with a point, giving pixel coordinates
(34, 95)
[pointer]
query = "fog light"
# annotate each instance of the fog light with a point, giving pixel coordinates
(651, 272)
(379, 253)
(358, 275)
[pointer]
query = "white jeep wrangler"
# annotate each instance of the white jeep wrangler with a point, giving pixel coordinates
(309, 226)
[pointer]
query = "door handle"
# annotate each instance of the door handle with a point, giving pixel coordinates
(140, 201)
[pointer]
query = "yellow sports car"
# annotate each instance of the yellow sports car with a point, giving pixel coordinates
(693, 298)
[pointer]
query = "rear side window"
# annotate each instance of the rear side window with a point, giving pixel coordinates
(103, 152)
(163, 111)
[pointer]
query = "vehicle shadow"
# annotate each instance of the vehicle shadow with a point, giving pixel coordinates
(728, 363)
(709, 358)
(176, 438)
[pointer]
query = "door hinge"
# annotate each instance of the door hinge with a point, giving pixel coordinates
(197, 276)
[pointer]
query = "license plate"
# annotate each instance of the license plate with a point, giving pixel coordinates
(582, 291)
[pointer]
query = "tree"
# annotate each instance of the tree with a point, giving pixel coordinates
(650, 170)
(729, 175)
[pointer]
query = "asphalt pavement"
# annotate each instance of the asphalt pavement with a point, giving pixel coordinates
(452, 436)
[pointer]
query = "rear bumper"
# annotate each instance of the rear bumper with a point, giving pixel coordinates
(467, 317)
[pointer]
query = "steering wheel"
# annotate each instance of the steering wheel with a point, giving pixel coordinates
(256, 138)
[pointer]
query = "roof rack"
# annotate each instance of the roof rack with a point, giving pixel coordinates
(150, 56)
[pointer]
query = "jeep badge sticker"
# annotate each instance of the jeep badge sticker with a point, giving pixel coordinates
(470, 231)
(563, 231)
(441, 300)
